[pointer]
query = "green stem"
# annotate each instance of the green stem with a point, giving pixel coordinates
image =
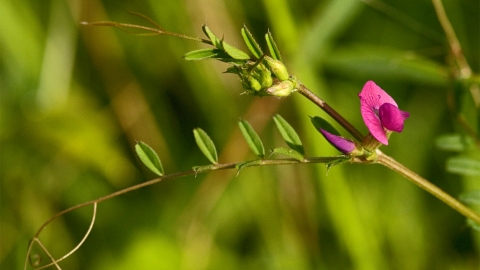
(215, 167)
(394, 165)
(302, 89)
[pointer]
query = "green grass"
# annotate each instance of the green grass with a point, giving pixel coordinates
(74, 99)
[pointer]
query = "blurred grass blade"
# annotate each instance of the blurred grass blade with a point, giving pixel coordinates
(471, 197)
(364, 61)
(289, 134)
(321, 123)
(206, 145)
(288, 152)
(149, 158)
(272, 47)
(252, 138)
(251, 43)
(464, 166)
(206, 54)
(234, 52)
(213, 38)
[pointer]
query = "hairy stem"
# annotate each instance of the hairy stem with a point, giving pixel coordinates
(394, 165)
(302, 89)
(265, 162)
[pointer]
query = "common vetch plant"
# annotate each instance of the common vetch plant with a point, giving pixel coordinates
(263, 73)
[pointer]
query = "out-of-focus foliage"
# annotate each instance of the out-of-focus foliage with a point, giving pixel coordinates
(74, 100)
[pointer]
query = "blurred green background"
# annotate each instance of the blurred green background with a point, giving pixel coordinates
(74, 99)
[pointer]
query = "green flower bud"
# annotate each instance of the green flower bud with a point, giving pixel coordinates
(281, 89)
(263, 75)
(253, 84)
(277, 67)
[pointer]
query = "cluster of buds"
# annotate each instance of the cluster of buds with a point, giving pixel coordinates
(266, 77)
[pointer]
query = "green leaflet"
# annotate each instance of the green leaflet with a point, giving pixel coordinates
(288, 152)
(321, 123)
(463, 165)
(213, 38)
(289, 134)
(272, 47)
(207, 54)
(206, 145)
(234, 52)
(251, 43)
(471, 197)
(149, 158)
(252, 138)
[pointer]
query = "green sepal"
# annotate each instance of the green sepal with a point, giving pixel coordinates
(251, 43)
(272, 47)
(246, 164)
(199, 169)
(206, 145)
(149, 158)
(203, 54)
(252, 138)
(288, 152)
(321, 123)
(339, 161)
(213, 38)
(234, 52)
(288, 134)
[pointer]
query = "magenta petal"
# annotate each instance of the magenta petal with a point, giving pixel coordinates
(371, 98)
(343, 145)
(391, 117)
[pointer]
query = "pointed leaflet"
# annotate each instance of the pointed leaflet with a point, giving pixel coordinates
(251, 43)
(289, 134)
(213, 38)
(234, 52)
(252, 138)
(206, 54)
(288, 152)
(206, 145)
(272, 47)
(149, 158)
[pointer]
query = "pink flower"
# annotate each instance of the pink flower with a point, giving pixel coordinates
(380, 112)
(343, 145)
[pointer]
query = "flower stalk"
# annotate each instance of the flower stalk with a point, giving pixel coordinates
(394, 165)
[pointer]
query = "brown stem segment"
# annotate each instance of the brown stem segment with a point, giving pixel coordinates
(427, 186)
(302, 89)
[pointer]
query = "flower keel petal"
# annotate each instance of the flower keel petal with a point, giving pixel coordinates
(391, 117)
